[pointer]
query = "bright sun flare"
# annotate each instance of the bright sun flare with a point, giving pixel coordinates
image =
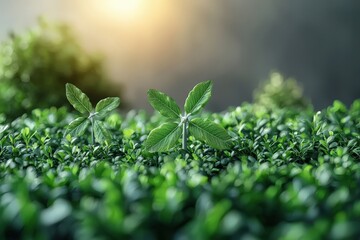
(124, 8)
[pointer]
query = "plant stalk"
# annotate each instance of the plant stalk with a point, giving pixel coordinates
(92, 131)
(184, 134)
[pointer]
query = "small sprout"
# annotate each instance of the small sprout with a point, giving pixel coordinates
(92, 116)
(166, 136)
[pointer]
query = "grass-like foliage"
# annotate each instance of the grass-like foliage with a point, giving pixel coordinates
(167, 135)
(91, 115)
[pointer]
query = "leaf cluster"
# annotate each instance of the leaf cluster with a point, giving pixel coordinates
(167, 135)
(81, 103)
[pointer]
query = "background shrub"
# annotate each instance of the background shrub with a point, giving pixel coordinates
(278, 92)
(36, 64)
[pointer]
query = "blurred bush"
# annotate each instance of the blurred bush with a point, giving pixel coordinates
(36, 64)
(278, 92)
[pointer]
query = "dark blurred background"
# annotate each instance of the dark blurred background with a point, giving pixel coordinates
(172, 45)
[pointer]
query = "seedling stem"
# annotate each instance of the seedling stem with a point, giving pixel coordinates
(92, 130)
(185, 132)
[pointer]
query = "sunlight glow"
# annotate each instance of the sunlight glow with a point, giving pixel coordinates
(124, 9)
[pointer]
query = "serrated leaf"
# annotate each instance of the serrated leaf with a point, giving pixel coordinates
(211, 133)
(100, 132)
(78, 99)
(164, 104)
(78, 126)
(198, 97)
(106, 105)
(163, 138)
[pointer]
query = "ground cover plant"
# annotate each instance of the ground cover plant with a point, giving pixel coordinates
(289, 174)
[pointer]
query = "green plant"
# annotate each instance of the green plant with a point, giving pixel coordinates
(81, 103)
(278, 92)
(36, 64)
(166, 136)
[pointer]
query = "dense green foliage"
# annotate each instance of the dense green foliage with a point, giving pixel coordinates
(290, 175)
(36, 64)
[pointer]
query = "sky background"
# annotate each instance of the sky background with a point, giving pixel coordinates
(172, 45)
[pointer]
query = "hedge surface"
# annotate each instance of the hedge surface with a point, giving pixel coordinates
(290, 174)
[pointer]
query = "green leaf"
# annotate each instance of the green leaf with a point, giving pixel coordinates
(78, 99)
(3, 128)
(100, 132)
(106, 105)
(198, 97)
(163, 138)
(55, 213)
(78, 126)
(164, 104)
(209, 132)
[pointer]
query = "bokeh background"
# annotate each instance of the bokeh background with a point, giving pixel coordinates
(172, 45)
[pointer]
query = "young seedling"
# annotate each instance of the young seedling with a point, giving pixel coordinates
(92, 116)
(166, 136)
